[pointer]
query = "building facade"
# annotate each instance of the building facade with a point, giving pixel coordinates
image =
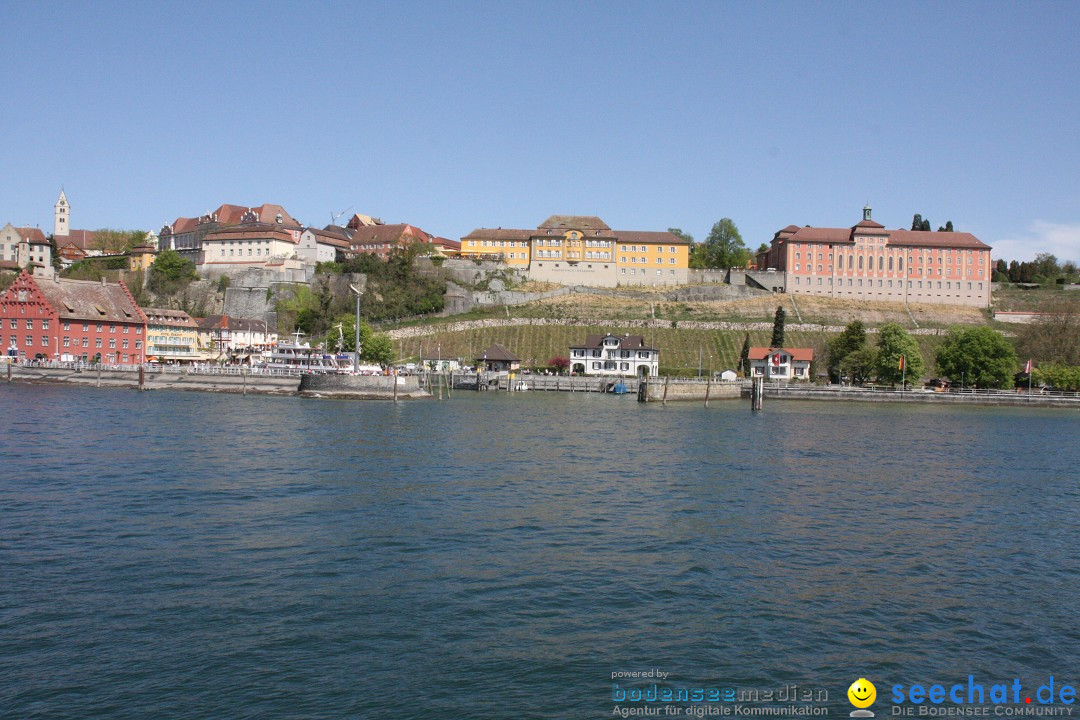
(171, 337)
(187, 235)
(869, 262)
(26, 248)
(583, 250)
(56, 319)
(784, 364)
(228, 339)
(615, 355)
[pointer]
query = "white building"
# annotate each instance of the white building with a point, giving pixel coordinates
(318, 246)
(781, 363)
(26, 247)
(614, 355)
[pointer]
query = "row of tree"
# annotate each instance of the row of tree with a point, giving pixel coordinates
(977, 356)
(1044, 268)
(921, 223)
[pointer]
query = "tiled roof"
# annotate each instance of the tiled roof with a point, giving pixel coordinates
(499, 353)
(801, 354)
(641, 236)
(626, 342)
(91, 300)
(499, 234)
(573, 222)
(79, 238)
(906, 238)
(251, 231)
(169, 317)
(9, 265)
(34, 235)
(388, 234)
(225, 322)
(337, 239)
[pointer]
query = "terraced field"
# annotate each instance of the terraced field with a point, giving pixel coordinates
(679, 348)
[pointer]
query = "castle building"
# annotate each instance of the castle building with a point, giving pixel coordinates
(869, 262)
(583, 250)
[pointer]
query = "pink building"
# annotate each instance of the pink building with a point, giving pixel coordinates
(868, 262)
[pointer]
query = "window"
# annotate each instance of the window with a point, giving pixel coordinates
(86, 327)
(671, 261)
(138, 344)
(67, 341)
(796, 267)
(29, 324)
(124, 345)
(851, 262)
(798, 280)
(29, 340)
(14, 324)
(112, 343)
(97, 342)
(100, 327)
(860, 264)
(819, 266)
(126, 328)
(671, 249)
(86, 342)
(112, 327)
(45, 323)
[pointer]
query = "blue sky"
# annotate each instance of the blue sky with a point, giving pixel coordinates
(459, 115)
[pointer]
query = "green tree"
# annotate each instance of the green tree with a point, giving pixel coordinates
(860, 366)
(778, 328)
(894, 342)
(917, 222)
(1058, 375)
(948, 227)
(744, 356)
(979, 356)
(111, 241)
(379, 349)
(170, 272)
(853, 338)
(723, 248)
(1046, 266)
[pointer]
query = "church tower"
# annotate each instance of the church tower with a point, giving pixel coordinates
(61, 216)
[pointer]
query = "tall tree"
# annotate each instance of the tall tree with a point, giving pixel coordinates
(853, 338)
(894, 342)
(860, 366)
(916, 222)
(778, 328)
(170, 272)
(723, 248)
(744, 356)
(978, 356)
(1055, 336)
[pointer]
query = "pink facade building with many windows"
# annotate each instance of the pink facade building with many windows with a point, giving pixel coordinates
(868, 262)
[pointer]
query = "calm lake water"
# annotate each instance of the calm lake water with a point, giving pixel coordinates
(172, 555)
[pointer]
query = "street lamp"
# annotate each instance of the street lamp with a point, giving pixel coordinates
(356, 346)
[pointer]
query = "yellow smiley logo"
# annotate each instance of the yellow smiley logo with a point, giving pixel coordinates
(862, 693)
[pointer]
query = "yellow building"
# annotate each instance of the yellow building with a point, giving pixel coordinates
(141, 257)
(171, 336)
(580, 249)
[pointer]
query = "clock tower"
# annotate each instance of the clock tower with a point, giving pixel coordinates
(61, 216)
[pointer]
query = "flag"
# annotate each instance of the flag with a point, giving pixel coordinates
(1027, 368)
(776, 360)
(901, 365)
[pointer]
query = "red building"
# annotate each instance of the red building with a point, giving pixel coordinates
(56, 319)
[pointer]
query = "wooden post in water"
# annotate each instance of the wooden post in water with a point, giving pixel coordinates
(450, 386)
(663, 400)
(708, 388)
(757, 393)
(9, 370)
(99, 374)
(395, 379)
(243, 374)
(142, 377)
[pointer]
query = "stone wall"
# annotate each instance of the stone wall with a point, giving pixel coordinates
(367, 387)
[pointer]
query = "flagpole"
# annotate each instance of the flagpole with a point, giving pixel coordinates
(903, 374)
(1029, 368)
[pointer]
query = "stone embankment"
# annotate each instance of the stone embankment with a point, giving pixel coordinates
(975, 397)
(158, 380)
(364, 387)
(466, 325)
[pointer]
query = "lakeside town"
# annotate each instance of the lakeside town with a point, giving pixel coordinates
(252, 287)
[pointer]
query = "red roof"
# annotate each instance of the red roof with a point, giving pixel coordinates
(79, 238)
(34, 235)
(901, 238)
(802, 354)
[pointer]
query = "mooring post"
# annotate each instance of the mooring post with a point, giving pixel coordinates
(243, 374)
(757, 393)
(9, 370)
(142, 377)
(99, 374)
(708, 387)
(663, 401)
(395, 379)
